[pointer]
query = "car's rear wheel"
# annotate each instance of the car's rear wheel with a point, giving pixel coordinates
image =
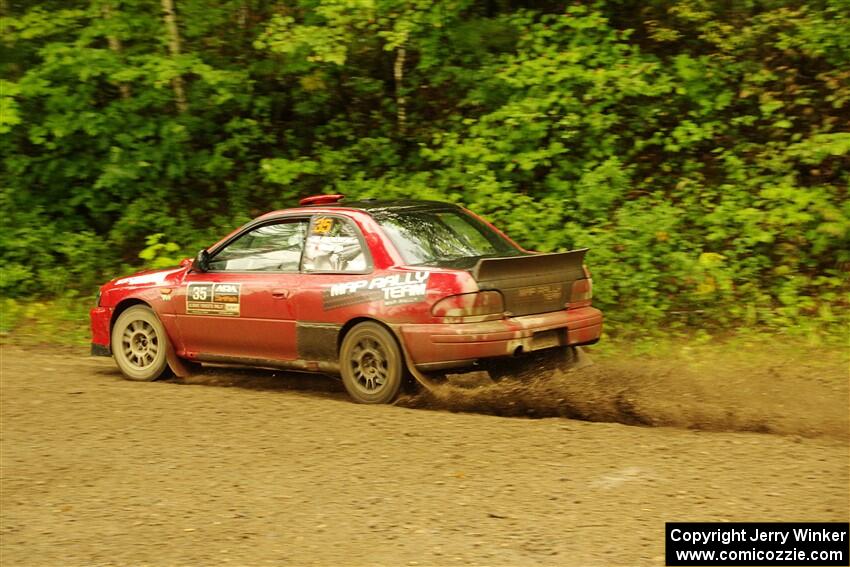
(139, 344)
(371, 364)
(536, 364)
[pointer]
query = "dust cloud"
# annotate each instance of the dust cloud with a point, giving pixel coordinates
(782, 399)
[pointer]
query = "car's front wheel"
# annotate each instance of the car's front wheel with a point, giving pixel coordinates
(371, 364)
(139, 344)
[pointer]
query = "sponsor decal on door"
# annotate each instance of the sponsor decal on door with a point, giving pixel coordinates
(213, 299)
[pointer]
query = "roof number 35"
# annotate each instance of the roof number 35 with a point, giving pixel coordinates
(322, 226)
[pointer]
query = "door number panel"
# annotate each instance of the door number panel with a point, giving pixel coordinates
(221, 299)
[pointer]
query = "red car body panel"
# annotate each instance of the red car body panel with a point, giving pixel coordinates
(296, 319)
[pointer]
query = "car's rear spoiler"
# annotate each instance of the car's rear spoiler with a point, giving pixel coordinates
(568, 265)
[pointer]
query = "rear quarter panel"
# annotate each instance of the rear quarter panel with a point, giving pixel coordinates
(394, 296)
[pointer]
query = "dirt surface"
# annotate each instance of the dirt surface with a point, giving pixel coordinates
(284, 470)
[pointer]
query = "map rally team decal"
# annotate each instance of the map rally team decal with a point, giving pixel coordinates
(395, 289)
(213, 299)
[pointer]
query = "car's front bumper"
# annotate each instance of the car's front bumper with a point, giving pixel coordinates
(100, 343)
(433, 346)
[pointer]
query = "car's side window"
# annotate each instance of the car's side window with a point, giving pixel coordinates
(268, 248)
(334, 245)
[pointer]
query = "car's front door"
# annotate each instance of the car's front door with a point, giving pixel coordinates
(242, 306)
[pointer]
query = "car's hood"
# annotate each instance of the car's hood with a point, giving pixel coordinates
(150, 277)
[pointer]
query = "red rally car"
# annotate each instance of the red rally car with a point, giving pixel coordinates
(371, 290)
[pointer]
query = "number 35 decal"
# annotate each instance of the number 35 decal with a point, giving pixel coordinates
(213, 299)
(322, 225)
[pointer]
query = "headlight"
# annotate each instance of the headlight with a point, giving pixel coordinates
(97, 299)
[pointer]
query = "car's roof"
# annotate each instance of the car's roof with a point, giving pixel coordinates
(369, 206)
(377, 205)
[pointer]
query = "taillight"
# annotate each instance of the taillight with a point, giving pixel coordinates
(470, 307)
(582, 291)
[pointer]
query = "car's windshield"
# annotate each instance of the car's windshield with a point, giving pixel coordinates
(432, 237)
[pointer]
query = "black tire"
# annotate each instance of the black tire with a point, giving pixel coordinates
(139, 344)
(371, 364)
(532, 365)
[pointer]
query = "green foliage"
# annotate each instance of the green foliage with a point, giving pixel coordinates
(700, 148)
(60, 320)
(160, 254)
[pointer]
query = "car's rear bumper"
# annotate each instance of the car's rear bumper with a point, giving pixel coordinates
(100, 344)
(433, 346)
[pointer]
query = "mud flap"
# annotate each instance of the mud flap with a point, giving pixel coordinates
(423, 380)
(180, 370)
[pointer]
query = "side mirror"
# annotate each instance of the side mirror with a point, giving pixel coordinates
(202, 261)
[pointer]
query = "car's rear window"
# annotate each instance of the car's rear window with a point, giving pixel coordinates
(434, 237)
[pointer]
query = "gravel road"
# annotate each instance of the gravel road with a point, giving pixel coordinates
(284, 470)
